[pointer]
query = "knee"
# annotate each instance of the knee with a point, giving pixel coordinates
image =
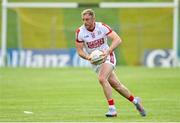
(102, 79)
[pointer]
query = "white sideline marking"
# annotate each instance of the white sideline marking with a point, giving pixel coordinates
(28, 112)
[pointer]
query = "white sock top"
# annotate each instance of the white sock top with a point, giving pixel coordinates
(112, 106)
(135, 101)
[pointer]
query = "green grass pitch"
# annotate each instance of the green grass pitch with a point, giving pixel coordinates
(74, 94)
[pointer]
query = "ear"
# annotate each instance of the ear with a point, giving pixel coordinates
(94, 18)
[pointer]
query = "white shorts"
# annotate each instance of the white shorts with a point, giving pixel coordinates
(111, 59)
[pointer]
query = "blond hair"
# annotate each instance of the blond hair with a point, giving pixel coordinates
(88, 11)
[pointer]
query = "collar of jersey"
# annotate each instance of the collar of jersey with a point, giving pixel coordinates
(93, 28)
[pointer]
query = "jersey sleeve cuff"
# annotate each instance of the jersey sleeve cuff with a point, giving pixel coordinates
(79, 41)
(109, 32)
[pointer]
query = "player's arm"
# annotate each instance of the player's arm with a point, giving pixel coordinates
(116, 40)
(79, 47)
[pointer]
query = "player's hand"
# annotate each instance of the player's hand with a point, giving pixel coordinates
(104, 55)
(88, 58)
(92, 62)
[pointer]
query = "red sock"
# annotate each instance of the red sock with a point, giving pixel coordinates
(111, 102)
(131, 98)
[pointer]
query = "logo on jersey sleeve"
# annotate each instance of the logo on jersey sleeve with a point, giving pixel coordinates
(86, 36)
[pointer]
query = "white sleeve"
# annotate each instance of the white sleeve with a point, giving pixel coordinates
(78, 36)
(106, 29)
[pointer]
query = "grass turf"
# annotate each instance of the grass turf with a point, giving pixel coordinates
(74, 94)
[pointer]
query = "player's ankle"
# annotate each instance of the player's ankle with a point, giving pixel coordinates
(111, 104)
(133, 99)
(112, 107)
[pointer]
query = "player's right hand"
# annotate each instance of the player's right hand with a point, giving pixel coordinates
(88, 58)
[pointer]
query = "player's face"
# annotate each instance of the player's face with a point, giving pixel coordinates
(88, 21)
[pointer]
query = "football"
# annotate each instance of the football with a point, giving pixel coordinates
(96, 57)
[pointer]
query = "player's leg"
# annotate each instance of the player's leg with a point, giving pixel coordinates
(103, 75)
(104, 72)
(120, 88)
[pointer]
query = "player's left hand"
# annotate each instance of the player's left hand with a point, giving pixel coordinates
(105, 54)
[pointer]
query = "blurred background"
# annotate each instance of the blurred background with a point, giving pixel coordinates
(142, 30)
(43, 38)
